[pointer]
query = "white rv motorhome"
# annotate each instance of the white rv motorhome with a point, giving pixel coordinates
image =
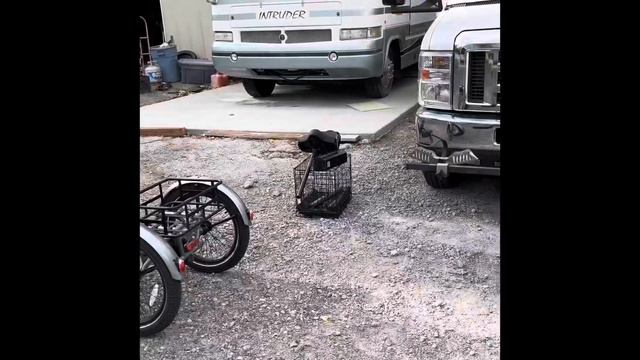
(271, 42)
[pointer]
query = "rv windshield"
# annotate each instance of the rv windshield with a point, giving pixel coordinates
(233, 2)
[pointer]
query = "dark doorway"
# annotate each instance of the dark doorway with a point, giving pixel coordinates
(150, 10)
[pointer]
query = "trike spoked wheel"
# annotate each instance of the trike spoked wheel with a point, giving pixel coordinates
(159, 292)
(223, 238)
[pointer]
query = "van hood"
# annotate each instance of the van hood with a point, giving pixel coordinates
(449, 23)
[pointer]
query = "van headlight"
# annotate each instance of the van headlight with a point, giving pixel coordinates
(362, 33)
(435, 79)
(223, 36)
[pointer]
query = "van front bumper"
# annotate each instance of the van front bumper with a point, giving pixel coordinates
(451, 142)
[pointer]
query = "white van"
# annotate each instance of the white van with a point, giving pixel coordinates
(298, 41)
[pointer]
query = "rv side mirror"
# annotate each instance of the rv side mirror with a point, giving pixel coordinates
(425, 7)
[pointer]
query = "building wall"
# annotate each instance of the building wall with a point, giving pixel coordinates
(189, 21)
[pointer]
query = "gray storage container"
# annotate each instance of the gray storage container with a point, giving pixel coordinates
(196, 71)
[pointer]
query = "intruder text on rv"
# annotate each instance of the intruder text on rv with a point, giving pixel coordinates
(298, 14)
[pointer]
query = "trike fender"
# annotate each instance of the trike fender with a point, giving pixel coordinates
(163, 249)
(237, 201)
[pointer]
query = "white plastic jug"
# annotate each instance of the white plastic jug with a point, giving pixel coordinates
(154, 73)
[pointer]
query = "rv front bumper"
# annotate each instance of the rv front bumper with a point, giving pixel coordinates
(281, 66)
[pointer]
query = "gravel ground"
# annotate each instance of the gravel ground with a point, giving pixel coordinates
(408, 272)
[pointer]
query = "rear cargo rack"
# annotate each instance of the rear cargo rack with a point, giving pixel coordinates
(172, 218)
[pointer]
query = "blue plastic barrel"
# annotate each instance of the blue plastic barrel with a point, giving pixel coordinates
(167, 59)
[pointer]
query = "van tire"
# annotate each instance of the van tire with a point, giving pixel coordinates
(258, 88)
(380, 87)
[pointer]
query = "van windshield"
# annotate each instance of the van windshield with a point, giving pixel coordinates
(453, 3)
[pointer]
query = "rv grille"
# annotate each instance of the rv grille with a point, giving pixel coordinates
(293, 36)
(307, 36)
(263, 37)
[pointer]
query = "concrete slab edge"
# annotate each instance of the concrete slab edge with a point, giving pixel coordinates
(395, 122)
(347, 138)
(166, 132)
(241, 134)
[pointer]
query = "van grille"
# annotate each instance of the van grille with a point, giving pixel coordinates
(476, 77)
(483, 78)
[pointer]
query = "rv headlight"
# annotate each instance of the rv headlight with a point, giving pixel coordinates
(362, 33)
(435, 79)
(223, 36)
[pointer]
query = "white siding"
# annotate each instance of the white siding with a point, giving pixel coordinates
(189, 21)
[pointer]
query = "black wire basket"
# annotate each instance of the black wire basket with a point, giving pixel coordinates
(327, 190)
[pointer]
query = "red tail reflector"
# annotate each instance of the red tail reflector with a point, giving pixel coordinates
(192, 245)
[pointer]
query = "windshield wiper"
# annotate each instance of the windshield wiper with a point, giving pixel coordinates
(472, 3)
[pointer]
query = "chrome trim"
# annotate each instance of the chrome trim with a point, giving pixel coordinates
(246, 16)
(491, 85)
(478, 129)
(324, 13)
(463, 157)
(442, 169)
(457, 169)
(312, 13)
(362, 12)
(487, 41)
(278, 48)
(296, 54)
